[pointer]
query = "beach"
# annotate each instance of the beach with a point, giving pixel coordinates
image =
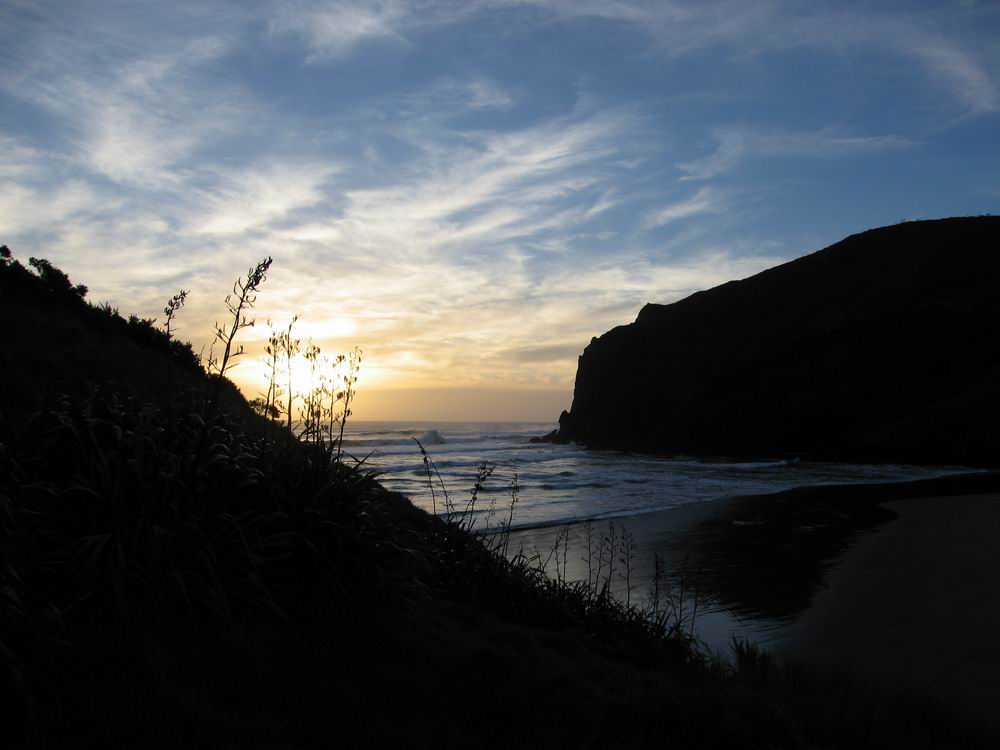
(836, 567)
(917, 604)
(896, 581)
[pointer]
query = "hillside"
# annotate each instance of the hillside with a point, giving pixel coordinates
(56, 343)
(878, 348)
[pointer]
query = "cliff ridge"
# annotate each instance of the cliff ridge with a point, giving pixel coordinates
(878, 348)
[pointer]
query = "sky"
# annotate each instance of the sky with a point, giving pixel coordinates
(469, 191)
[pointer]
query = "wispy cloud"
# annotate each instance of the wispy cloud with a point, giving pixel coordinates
(491, 187)
(40, 192)
(332, 29)
(965, 68)
(959, 71)
(137, 121)
(449, 96)
(260, 193)
(704, 201)
(733, 145)
(25, 208)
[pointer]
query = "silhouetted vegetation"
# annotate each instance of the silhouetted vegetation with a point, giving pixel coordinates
(243, 297)
(48, 286)
(176, 575)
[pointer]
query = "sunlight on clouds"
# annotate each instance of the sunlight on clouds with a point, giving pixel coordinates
(316, 329)
(468, 226)
(24, 208)
(330, 328)
(476, 404)
(253, 375)
(311, 232)
(254, 196)
(504, 331)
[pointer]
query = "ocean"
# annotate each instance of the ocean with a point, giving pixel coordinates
(563, 484)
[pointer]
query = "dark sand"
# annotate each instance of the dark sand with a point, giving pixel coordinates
(917, 604)
(681, 538)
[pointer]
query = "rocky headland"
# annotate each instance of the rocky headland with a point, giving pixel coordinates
(879, 348)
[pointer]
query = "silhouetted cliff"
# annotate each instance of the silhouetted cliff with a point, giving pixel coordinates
(882, 347)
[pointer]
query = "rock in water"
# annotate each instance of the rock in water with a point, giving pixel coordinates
(549, 437)
(882, 347)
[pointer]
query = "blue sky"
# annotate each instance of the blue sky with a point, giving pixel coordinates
(471, 190)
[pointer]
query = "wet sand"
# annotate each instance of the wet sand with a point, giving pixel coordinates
(916, 604)
(887, 575)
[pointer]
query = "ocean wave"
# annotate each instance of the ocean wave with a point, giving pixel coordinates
(426, 437)
(404, 433)
(378, 442)
(703, 464)
(513, 438)
(569, 486)
(753, 465)
(432, 437)
(566, 484)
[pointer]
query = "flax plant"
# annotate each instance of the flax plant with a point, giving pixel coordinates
(174, 304)
(311, 411)
(289, 347)
(242, 298)
(272, 358)
(350, 378)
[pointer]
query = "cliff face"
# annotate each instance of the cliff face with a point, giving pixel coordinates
(882, 347)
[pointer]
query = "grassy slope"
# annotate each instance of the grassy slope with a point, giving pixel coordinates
(55, 343)
(246, 594)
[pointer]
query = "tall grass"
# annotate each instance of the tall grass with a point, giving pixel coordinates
(662, 618)
(113, 506)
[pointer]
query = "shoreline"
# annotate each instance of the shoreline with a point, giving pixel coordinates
(758, 561)
(959, 482)
(915, 605)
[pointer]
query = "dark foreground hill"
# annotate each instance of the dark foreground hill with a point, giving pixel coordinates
(56, 343)
(882, 347)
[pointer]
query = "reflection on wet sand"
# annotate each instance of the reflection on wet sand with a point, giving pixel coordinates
(754, 564)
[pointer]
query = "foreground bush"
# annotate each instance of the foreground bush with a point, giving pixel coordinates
(120, 517)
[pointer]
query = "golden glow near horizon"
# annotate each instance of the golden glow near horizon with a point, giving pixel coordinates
(469, 225)
(381, 397)
(425, 355)
(396, 385)
(505, 346)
